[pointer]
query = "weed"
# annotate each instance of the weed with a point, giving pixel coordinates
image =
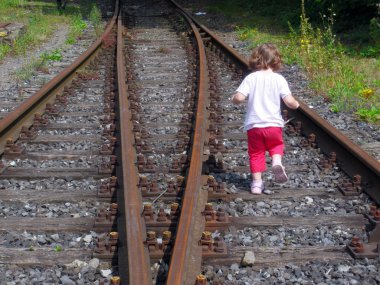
(4, 50)
(54, 55)
(330, 68)
(371, 115)
(57, 248)
(96, 20)
(77, 27)
(28, 70)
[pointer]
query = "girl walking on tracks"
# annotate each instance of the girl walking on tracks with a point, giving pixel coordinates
(264, 89)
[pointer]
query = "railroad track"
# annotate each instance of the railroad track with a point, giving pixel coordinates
(138, 160)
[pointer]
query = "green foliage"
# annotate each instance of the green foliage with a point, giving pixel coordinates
(4, 50)
(28, 70)
(57, 248)
(345, 80)
(374, 30)
(96, 20)
(350, 13)
(77, 27)
(371, 114)
(54, 55)
(12, 3)
(263, 12)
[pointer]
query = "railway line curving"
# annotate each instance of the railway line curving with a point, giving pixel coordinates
(133, 170)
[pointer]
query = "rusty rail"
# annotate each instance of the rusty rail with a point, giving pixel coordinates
(132, 253)
(351, 158)
(185, 239)
(11, 125)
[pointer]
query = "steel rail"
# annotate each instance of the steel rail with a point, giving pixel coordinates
(182, 251)
(133, 257)
(10, 126)
(351, 158)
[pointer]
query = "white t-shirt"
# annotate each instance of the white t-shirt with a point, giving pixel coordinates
(264, 89)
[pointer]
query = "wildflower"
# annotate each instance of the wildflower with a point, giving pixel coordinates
(367, 93)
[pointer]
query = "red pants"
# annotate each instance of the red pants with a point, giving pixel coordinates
(261, 140)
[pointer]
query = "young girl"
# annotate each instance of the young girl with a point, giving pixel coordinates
(264, 89)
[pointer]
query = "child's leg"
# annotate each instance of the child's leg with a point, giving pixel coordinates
(256, 152)
(257, 185)
(275, 146)
(276, 159)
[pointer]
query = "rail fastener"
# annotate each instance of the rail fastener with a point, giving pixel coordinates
(358, 249)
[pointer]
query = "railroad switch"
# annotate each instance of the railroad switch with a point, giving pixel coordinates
(106, 246)
(107, 189)
(358, 249)
(27, 134)
(351, 188)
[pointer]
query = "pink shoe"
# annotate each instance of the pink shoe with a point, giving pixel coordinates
(257, 190)
(279, 174)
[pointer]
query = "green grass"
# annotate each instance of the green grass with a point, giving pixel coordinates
(41, 19)
(30, 69)
(54, 55)
(347, 75)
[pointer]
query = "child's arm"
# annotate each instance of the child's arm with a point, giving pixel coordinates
(238, 98)
(291, 102)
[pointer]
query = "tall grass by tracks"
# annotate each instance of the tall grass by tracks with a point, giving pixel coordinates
(42, 18)
(348, 76)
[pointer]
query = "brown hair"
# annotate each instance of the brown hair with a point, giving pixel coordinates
(265, 56)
